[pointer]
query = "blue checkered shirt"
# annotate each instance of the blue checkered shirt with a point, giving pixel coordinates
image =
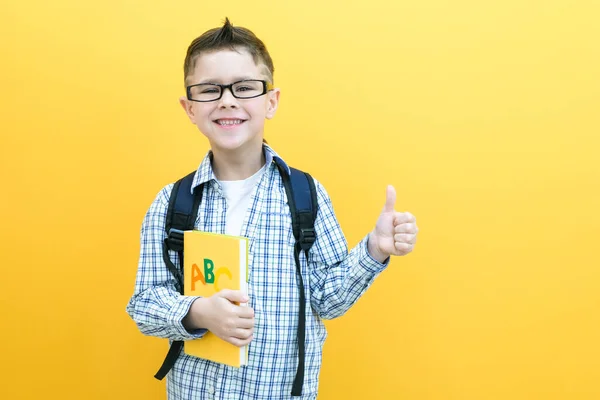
(334, 280)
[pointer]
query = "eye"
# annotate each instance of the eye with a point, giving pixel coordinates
(243, 88)
(210, 90)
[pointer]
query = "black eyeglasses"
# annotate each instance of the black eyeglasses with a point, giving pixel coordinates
(246, 89)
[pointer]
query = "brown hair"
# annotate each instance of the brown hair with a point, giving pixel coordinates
(232, 38)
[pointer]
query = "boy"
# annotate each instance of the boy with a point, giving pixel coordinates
(230, 92)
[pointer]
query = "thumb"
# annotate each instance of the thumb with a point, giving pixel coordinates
(234, 296)
(390, 199)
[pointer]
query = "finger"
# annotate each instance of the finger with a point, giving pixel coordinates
(404, 218)
(406, 228)
(402, 249)
(234, 330)
(402, 246)
(245, 323)
(405, 238)
(234, 296)
(242, 334)
(390, 199)
(239, 342)
(245, 312)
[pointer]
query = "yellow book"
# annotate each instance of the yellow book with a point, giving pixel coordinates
(212, 262)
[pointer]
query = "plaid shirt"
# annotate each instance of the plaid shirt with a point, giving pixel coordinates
(334, 280)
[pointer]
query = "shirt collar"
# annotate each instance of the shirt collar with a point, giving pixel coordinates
(205, 172)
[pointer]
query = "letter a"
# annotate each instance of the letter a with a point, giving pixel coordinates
(196, 276)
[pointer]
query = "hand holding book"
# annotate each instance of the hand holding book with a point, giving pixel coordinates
(223, 315)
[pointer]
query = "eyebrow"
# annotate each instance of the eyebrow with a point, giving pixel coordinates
(236, 79)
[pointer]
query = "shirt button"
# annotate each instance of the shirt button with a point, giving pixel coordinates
(211, 390)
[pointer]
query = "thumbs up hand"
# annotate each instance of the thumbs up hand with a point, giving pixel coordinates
(395, 233)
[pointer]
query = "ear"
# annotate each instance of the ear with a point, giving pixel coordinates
(187, 106)
(272, 102)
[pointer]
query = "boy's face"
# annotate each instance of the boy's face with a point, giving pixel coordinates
(230, 124)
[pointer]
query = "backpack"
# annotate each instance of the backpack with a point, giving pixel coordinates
(181, 216)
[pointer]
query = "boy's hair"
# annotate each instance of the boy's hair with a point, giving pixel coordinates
(231, 38)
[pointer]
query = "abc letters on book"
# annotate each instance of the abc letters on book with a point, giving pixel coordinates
(212, 262)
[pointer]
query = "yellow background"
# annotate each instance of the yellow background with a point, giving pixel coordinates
(484, 115)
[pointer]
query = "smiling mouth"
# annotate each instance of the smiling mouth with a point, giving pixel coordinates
(229, 122)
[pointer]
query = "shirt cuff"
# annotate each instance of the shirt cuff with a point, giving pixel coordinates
(367, 261)
(178, 312)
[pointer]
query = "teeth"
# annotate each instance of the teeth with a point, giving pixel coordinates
(230, 122)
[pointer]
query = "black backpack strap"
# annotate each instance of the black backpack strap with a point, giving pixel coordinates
(181, 216)
(302, 199)
(170, 359)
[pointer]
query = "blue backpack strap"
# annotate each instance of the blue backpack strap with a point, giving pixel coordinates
(181, 216)
(304, 208)
(302, 200)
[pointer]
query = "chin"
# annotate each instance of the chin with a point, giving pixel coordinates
(232, 144)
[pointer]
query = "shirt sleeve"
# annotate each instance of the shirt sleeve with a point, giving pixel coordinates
(156, 306)
(338, 278)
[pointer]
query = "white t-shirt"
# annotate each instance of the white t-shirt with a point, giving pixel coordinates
(238, 195)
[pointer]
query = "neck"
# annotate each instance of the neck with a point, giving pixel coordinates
(237, 165)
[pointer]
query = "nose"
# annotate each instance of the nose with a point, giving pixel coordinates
(227, 100)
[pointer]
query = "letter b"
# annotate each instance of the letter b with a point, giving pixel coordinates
(209, 275)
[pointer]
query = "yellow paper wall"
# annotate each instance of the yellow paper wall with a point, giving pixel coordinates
(484, 115)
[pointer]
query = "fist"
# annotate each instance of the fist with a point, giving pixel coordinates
(395, 232)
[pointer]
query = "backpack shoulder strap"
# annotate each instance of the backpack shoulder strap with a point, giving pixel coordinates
(181, 216)
(302, 200)
(182, 210)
